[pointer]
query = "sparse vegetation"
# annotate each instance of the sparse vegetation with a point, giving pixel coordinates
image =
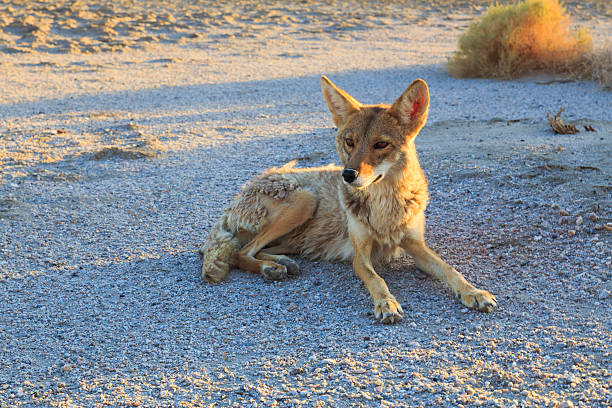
(523, 37)
(560, 127)
(594, 66)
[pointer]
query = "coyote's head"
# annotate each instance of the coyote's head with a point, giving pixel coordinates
(376, 141)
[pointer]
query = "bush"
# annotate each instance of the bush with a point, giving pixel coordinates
(515, 39)
(596, 66)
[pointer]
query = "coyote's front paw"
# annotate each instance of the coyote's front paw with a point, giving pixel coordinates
(478, 299)
(387, 310)
(273, 271)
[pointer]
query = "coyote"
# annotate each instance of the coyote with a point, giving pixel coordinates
(370, 210)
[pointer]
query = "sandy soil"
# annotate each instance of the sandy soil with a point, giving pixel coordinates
(126, 127)
(94, 26)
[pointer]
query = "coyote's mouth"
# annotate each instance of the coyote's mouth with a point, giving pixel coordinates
(359, 185)
(362, 187)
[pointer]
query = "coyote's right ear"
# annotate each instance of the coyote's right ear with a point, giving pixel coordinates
(340, 103)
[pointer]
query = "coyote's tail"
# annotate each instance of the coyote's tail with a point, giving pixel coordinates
(219, 252)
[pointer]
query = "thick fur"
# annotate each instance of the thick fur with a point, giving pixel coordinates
(317, 214)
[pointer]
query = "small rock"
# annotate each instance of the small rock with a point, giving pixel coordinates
(564, 213)
(593, 217)
(603, 294)
(579, 220)
(571, 233)
(564, 220)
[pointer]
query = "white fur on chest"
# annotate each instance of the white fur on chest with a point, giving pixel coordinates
(387, 224)
(341, 250)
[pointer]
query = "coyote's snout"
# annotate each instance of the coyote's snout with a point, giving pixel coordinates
(370, 209)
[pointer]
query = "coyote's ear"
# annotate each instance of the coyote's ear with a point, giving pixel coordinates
(411, 108)
(340, 103)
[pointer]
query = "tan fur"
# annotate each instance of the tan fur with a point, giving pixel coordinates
(314, 213)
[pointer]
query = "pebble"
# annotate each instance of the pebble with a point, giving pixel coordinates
(593, 217)
(564, 220)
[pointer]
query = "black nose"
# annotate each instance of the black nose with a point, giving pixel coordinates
(349, 175)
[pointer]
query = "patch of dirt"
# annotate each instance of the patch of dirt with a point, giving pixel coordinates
(11, 208)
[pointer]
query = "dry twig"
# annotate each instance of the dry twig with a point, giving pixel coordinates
(558, 126)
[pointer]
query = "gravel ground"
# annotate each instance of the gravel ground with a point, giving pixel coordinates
(115, 166)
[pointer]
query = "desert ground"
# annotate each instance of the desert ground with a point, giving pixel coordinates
(127, 127)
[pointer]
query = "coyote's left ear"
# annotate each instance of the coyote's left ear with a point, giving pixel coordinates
(411, 108)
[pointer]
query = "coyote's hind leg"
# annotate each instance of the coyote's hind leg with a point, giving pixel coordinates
(292, 267)
(283, 216)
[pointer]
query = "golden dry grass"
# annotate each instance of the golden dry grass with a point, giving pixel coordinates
(522, 37)
(593, 66)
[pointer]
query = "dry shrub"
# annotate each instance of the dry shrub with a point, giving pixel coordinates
(594, 66)
(518, 38)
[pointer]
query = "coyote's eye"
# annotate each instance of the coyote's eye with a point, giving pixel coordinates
(381, 145)
(349, 142)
